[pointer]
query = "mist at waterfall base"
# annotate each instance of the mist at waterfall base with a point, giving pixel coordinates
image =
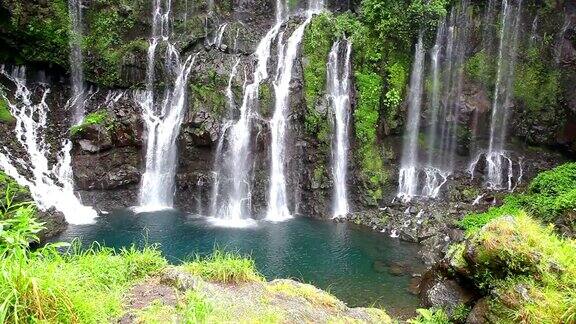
(338, 257)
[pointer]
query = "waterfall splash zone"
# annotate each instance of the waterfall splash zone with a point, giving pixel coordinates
(50, 184)
(426, 178)
(164, 118)
(499, 164)
(339, 94)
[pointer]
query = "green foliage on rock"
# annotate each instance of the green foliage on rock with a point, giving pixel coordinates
(528, 272)
(316, 45)
(5, 114)
(479, 68)
(38, 31)
(366, 117)
(550, 195)
(100, 117)
(106, 40)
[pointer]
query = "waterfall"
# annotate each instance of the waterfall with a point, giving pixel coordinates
(408, 175)
(235, 200)
(163, 117)
(418, 178)
(338, 76)
(76, 59)
(218, 36)
(277, 198)
(497, 159)
(499, 162)
(50, 184)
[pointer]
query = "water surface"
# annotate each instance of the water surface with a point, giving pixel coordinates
(351, 262)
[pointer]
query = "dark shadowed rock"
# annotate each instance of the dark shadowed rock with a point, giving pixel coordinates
(439, 292)
(54, 222)
(478, 313)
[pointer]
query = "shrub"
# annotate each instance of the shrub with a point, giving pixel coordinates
(528, 270)
(225, 267)
(100, 117)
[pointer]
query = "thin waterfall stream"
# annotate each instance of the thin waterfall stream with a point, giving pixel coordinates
(77, 101)
(499, 162)
(50, 183)
(162, 117)
(338, 76)
(278, 209)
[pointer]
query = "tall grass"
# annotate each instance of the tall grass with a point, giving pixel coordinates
(225, 267)
(78, 285)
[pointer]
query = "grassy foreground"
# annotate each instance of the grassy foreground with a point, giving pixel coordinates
(63, 283)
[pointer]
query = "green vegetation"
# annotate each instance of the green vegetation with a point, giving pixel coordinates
(550, 195)
(11, 193)
(76, 286)
(225, 267)
(310, 293)
(430, 316)
(366, 125)
(100, 117)
(528, 272)
(40, 31)
(478, 67)
(5, 114)
(208, 93)
(109, 23)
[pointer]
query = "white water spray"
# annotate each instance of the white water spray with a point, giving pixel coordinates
(277, 197)
(76, 59)
(50, 184)
(408, 175)
(163, 118)
(338, 76)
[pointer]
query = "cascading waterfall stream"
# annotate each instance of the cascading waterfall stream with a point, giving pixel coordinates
(277, 198)
(446, 83)
(162, 119)
(408, 175)
(338, 76)
(51, 185)
(76, 58)
(499, 163)
(235, 200)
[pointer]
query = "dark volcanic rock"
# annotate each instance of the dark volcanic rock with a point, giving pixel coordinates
(478, 315)
(439, 292)
(54, 222)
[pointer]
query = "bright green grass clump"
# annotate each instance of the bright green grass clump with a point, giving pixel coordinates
(5, 115)
(82, 287)
(226, 267)
(529, 270)
(100, 117)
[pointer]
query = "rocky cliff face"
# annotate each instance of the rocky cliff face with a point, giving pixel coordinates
(108, 156)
